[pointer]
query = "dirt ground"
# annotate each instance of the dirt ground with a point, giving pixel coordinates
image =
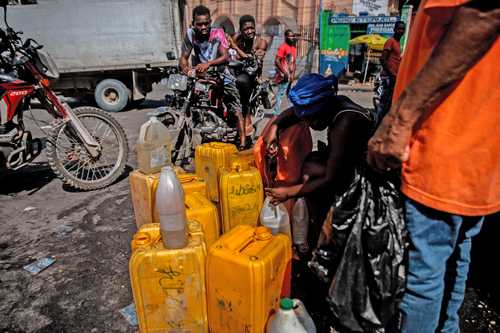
(89, 233)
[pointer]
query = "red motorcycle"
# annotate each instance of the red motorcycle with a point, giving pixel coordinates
(86, 147)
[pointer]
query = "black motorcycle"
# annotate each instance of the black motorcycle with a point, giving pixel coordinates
(195, 113)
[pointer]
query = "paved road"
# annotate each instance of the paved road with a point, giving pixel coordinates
(88, 233)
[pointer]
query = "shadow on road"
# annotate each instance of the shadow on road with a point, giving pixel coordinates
(31, 178)
(34, 177)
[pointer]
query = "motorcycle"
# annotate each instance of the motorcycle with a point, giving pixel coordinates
(195, 113)
(86, 147)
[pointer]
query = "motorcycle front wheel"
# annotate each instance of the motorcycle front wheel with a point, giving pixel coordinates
(71, 162)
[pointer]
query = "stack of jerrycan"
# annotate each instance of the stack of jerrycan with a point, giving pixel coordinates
(232, 181)
(167, 267)
(241, 195)
(143, 183)
(198, 207)
(246, 270)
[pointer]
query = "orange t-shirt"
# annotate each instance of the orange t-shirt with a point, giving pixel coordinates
(454, 163)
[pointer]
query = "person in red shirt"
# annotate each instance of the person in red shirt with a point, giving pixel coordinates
(443, 133)
(285, 61)
(390, 60)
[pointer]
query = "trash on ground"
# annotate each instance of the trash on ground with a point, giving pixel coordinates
(64, 229)
(29, 209)
(129, 313)
(39, 265)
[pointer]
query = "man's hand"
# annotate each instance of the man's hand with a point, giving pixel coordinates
(185, 70)
(202, 68)
(278, 194)
(389, 147)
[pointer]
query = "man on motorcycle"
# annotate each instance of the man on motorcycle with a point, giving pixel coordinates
(247, 45)
(210, 48)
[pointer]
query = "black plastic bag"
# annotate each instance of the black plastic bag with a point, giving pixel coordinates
(361, 254)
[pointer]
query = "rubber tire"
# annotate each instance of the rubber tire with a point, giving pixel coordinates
(57, 167)
(124, 95)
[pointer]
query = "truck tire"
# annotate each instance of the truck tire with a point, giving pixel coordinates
(112, 95)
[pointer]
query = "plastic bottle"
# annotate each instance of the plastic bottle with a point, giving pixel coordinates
(300, 225)
(328, 71)
(153, 146)
(275, 218)
(291, 317)
(171, 209)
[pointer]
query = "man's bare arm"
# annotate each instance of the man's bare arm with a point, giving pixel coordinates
(184, 59)
(234, 45)
(222, 59)
(471, 34)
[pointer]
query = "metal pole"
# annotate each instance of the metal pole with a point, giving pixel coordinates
(367, 64)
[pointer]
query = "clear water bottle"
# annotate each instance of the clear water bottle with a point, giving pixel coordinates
(291, 317)
(171, 210)
(275, 218)
(153, 146)
(300, 222)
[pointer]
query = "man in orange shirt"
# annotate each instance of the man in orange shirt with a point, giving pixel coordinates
(390, 60)
(443, 131)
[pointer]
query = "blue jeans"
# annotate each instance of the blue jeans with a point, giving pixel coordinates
(439, 258)
(279, 95)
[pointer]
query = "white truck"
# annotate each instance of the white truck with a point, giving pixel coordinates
(115, 49)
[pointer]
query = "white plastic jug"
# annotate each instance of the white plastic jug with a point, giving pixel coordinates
(275, 218)
(153, 146)
(291, 317)
(300, 222)
(171, 209)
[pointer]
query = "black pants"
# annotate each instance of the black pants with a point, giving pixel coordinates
(245, 84)
(388, 83)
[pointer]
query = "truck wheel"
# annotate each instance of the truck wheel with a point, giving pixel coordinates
(112, 95)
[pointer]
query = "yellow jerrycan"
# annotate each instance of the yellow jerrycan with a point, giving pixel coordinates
(169, 285)
(241, 196)
(246, 272)
(202, 210)
(192, 183)
(143, 189)
(245, 158)
(209, 158)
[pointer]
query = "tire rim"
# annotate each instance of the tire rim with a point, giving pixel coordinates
(111, 96)
(75, 160)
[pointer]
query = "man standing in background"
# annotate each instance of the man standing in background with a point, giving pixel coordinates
(285, 61)
(390, 60)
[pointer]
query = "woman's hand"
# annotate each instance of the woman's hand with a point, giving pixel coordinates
(278, 194)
